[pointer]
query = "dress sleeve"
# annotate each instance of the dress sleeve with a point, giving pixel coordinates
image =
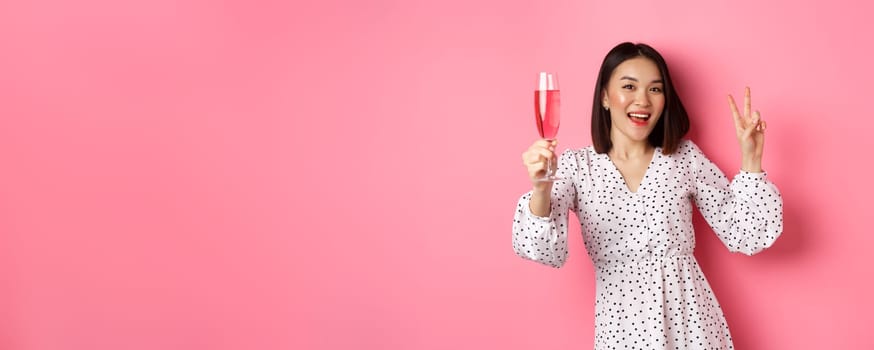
(746, 214)
(544, 239)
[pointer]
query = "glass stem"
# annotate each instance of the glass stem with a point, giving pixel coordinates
(549, 168)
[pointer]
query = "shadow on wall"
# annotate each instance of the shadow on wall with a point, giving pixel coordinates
(792, 246)
(690, 71)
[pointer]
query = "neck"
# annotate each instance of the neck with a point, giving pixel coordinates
(625, 148)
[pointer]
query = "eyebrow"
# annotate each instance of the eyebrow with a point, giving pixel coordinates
(635, 79)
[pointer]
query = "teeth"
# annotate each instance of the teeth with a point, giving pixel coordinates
(641, 116)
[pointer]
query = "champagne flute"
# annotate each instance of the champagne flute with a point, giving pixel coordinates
(547, 102)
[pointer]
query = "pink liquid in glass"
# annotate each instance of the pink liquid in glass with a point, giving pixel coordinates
(546, 109)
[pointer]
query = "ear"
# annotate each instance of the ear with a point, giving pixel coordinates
(604, 98)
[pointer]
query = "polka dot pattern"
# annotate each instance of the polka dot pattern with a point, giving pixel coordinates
(651, 293)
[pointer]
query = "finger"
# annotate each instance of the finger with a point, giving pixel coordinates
(761, 141)
(761, 127)
(546, 143)
(751, 127)
(533, 156)
(734, 113)
(529, 158)
(747, 103)
(737, 122)
(539, 146)
(545, 153)
(540, 150)
(537, 155)
(536, 169)
(760, 124)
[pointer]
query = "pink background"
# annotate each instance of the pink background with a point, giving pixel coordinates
(326, 175)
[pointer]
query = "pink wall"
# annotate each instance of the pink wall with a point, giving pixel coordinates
(325, 175)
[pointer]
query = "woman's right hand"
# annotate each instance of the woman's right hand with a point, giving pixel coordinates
(535, 159)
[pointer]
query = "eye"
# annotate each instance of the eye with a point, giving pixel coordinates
(656, 89)
(628, 87)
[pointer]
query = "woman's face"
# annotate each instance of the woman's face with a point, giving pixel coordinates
(635, 97)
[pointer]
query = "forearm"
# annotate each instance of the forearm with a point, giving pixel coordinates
(540, 201)
(757, 214)
(540, 238)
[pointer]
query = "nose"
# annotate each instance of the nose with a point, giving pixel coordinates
(642, 98)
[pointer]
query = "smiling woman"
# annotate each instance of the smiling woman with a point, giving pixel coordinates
(636, 88)
(636, 76)
(632, 192)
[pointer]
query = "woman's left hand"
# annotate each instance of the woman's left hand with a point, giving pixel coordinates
(750, 129)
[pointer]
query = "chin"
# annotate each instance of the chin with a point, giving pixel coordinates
(639, 135)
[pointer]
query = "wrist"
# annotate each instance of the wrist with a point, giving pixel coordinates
(751, 164)
(542, 188)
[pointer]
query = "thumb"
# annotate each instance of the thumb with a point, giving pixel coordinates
(754, 123)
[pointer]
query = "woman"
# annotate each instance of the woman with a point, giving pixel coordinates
(632, 192)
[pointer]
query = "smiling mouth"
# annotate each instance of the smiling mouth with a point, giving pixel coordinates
(639, 118)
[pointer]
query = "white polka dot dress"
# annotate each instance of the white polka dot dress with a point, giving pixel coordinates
(651, 293)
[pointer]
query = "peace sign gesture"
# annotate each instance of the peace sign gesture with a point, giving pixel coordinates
(750, 129)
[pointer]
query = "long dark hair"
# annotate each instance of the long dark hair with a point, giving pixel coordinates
(674, 122)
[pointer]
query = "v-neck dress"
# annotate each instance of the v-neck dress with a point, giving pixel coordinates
(650, 291)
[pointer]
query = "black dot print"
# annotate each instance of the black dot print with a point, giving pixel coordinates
(651, 293)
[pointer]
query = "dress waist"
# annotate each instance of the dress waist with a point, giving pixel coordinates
(649, 261)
